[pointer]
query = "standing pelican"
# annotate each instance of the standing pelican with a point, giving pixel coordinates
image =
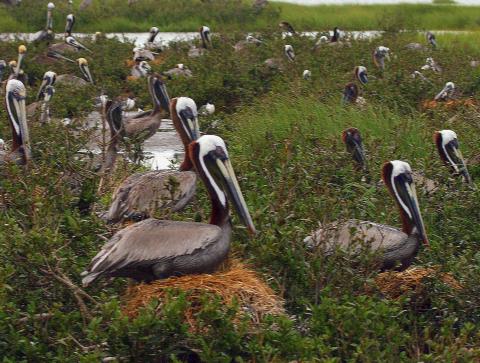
(44, 96)
(146, 124)
(353, 141)
(156, 249)
(360, 73)
(449, 151)
(431, 39)
(47, 33)
(396, 248)
(15, 96)
(289, 53)
(206, 43)
(379, 55)
(336, 35)
(143, 193)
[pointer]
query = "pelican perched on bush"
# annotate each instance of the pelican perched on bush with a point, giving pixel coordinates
(70, 79)
(15, 95)
(47, 33)
(141, 69)
(143, 193)
(179, 71)
(145, 124)
(156, 249)
(396, 248)
(449, 150)
(206, 43)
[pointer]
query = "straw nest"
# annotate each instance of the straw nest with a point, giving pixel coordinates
(234, 281)
(412, 281)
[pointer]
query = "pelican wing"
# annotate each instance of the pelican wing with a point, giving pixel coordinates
(353, 234)
(143, 193)
(142, 245)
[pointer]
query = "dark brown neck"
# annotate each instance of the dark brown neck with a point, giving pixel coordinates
(220, 215)
(177, 123)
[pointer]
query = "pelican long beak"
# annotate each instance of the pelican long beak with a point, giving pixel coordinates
(21, 56)
(455, 157)
(234, 192)
(441, 94)
(18, 115)
(75, 43)
(406, 196)
(161, 94)
(190, 124)
(363, 78)
(86, 73)
(56, 55)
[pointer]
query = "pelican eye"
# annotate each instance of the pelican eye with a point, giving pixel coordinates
(219, 153)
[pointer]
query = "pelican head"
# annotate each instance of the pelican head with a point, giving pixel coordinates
(353, 141)
(397, 176)
(184, 114)
(449, 151)
(76, 44)
(361, 74)
(350, 93)
(144, 68)
(446, 92)
(210, 157)
(205, 36)
(158, 91)
(307, 74)
(69, 25)
(289, 52)
(153, 33)
(49, 79)
(83, 65)
(15, 100)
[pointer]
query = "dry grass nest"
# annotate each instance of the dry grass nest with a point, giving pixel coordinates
(396, 284)
(233, 281)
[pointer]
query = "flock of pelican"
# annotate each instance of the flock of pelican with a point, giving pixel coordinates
(150, 248)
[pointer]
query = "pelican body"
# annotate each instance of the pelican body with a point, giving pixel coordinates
(47, 33)
(360, 73)
(15, 96)
(206, 43)
(353, 141)
(155, 249)
(379, 55)
(70, 79)
(396, 248)
(143, 193)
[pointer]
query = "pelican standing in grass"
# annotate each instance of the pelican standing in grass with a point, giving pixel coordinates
(47, 33)
(141, 194)
(350, 95)
(353, 141)
(360, 73)
(44, 96)
(289, 53)
(157, 249)
(379, 55)
(15, 95)
(431, 39)
(396, 248)
(449, 150)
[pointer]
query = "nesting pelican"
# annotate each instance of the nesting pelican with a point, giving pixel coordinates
(446, 93)
(15, 95)
(448, 148)
(143, 193)
(396, 248)
(70, 79)
(46, 33)
(179, 71)
(242, 44)
(156, 249)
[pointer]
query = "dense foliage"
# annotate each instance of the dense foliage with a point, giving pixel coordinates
(283, 134)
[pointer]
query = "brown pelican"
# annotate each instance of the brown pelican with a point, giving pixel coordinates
(449, 151)
(431, 39)
(379, 55)
(141, 69)
(350, 95)
(143, 193)
(289, 53)
(15, 96)
(179, 71)
(360, 73)
(146, 124)
(446, 93)
(286, 26)
(430, 64)
(156, 249)
(242, 44)
(396, 248)
(353, 141)
(153, 34)
(44, 96)
(70, 79)
(206, 43)
(307, 74)
(47, 33)
(336, 35)
(17, 65)
(142, 54)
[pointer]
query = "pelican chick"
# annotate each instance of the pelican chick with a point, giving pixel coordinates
(141, 194)
(396, 248)
(157, 249)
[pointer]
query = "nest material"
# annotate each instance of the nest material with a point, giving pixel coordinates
(450, 104)
(234, 281)
(396, 284)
